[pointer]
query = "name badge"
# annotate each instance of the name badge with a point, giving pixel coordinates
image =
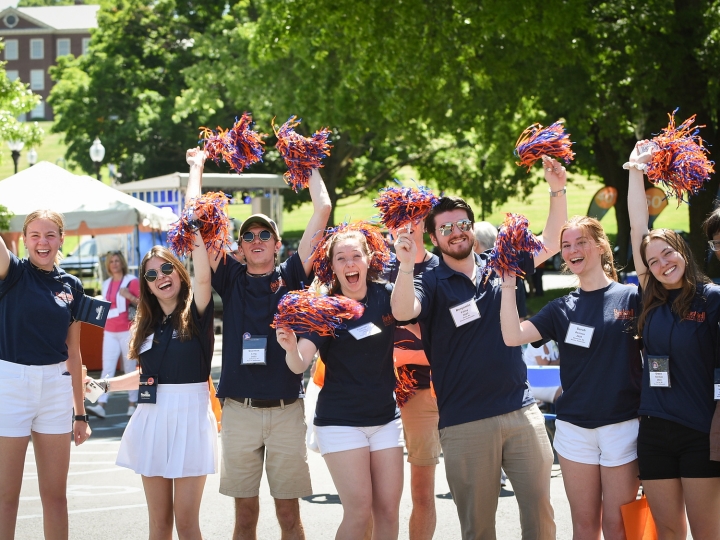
(366, 330)
(254, 348)
(580, 335)
(659, 367)
(113, 313)
(465, 312)
(146, 344)
(147, 393)
(717, 384)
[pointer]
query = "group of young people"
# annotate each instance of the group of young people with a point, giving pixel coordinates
(638, 367)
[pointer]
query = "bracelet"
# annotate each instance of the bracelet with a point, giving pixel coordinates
(508, 287)
(193, 225)
(557, 193)
(642, 167)
(105, 384)
(405, 271)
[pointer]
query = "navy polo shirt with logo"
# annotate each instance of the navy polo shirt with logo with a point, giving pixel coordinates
(601, 383)
(249, 304)
(475, 375)
(36, 313)
(692, 345)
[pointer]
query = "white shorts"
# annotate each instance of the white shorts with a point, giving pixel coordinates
(35, 398)
(341, 438)
(609, 446)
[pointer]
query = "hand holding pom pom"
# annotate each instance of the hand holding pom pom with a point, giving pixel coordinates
(514, 238)
(400, 206)
(213, 227)
(306, 311)
(537, 141)
(301, 154)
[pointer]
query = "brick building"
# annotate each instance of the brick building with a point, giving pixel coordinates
(35, 37)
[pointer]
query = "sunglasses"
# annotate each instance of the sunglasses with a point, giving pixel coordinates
(262, 235)
(464, 225)
(152, 274)
(714, 245)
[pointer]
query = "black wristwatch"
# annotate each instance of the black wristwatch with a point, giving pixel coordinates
(194, 225)
(82, 418)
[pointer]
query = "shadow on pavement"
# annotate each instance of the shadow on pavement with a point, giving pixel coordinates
(323, 498)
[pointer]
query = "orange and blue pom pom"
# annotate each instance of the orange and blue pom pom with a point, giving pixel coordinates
(537, 141)
(301, 154)
(514, 238)
(405, 385)
(238, 146)
(214, 226)
(400, 206)
(307, 312)
(379, 259)
(680, 163)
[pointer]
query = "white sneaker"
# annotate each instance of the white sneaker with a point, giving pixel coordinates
(96, 410)
(131, 410)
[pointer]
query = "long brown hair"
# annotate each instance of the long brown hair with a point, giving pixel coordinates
(654, 294)
(591, 227)
(373, 274)
(56, 217)
(150, 314)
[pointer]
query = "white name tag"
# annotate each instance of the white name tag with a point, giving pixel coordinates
(253, 356)
(717, 392)
(465, 312)
(366, 330)
(579, 335)
(147, 344)
(113, 313)
(659, 379)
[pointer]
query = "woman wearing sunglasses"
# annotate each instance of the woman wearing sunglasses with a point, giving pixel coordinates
(171, 440)
(679, 329)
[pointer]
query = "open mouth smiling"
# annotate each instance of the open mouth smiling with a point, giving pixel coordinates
(352, 277)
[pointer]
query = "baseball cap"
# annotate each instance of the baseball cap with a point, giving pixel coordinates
(259, 219)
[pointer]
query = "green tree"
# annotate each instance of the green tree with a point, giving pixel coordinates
(5, 216)
(36, 3)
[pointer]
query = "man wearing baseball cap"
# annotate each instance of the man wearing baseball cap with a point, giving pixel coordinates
(263, 415)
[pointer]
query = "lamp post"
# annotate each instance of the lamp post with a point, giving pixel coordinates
(32, 157)
(97, 153)
(15, 147)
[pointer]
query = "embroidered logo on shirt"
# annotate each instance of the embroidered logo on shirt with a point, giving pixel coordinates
(388, 319)
(63, 298)
(624, 314)
(275, 285)
(697, 316)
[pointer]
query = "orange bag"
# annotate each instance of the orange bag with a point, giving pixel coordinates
(319, 375)
(638, 521)
(215, 403)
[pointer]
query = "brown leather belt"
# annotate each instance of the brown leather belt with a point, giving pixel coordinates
(265, 403)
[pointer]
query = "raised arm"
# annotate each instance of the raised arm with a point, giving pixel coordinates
(202, 291)
(514, 332)
(404, 303)
(4, 259)
(196, 159)
(318, 220)
(298, 354)
(556, 177)
(638, 209)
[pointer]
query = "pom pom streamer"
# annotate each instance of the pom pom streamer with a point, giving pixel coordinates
(400, 206)
(306, 311)
(537, 141)
(405, 385)
(214, 226)
(238, 146)
(514, 238)
(376, 243)
(301, 154)
(680, 163)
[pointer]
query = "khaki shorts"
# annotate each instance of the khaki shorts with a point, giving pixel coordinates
(420, 423)
(274, 436)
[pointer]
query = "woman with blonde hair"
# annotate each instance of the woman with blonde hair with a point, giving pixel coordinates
(122, 290)
(171, 440)
(597, 425)
(40, 372)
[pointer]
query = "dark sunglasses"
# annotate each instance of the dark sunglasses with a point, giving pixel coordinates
(262, 235)
(152, 274)
(464, 225)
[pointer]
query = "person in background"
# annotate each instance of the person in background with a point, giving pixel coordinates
(40, 372)
(121, 289)
(543, 355)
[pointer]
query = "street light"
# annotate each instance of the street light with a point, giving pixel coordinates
(15, 147)
(97, 153)
(32, 157)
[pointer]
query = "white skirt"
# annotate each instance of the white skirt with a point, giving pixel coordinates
(173, 438)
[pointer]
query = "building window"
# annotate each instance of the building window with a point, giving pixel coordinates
(38, 111)
(63, 47)
(37, 49)
(37, 79)
(12, 75)
(85, 44)
(11, 20)
(11, 49)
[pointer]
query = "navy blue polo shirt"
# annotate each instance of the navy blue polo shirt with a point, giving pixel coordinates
(359, 387)
(692, 345)
(181, 362)
(404, 338)
(36, 313)
(601, 383)
(249, 304)
(475, 375)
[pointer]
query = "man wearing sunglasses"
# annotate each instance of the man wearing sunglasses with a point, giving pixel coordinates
(263, 415)
(488, 418)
